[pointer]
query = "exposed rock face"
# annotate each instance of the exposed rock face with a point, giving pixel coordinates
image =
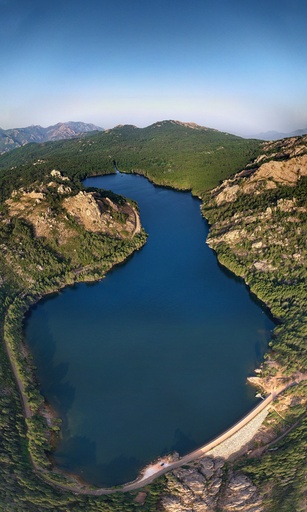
(240, 495)
(32, 206)
(260, 236)
(195, 488)
(263, 265)
(16, 137)
(102, 215)
(25, 201)
(199, 488)
(286, 147)
(252, 234)
(56, 174)
(266, 177)
(194, 126)
(286, 172)
(228, 193)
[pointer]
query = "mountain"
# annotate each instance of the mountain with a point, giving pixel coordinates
(258, 230)
(273, 135)
(16, 137)
(171, 153)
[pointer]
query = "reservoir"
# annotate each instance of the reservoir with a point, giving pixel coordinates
(153, 358)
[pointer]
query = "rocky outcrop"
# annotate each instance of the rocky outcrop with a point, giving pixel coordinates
(258, 221)
(103, 215)
(16, 137)
(203, 488)
(92, 211)
(285, 172)
(195, 488)
(240, 495)
(266, 177)
(253, 233)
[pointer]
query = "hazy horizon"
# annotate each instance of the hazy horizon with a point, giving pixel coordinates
(234, 66)
(157, 121)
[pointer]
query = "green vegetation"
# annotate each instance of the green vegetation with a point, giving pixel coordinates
(31, 267)
(281, 472)
(267, 251)
(276, 240)
(21, 489)
(261, 236)
(169, 153)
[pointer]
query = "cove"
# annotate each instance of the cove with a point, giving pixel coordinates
(153, 358)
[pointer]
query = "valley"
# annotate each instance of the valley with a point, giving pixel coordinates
(257, 228)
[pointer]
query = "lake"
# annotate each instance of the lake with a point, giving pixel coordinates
(153, 358)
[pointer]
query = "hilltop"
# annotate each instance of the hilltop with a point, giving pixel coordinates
(171, 153)
(258, 229)
(54, 232)
(17, 137)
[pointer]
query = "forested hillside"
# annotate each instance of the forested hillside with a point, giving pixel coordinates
(171, 153)
(258, 230)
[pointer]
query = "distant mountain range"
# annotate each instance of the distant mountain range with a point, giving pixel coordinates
(16, 137)
(272, 135)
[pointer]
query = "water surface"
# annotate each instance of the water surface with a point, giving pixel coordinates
(154, 358)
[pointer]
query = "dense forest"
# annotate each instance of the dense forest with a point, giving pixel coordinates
(171, 153)
(270, 225)
(258, 229)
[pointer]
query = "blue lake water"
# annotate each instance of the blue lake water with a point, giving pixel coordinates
(154, 358)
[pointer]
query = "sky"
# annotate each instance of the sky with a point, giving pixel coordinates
(234, 65)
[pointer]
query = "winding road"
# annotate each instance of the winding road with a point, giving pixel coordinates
(154, 471)
(163, 465)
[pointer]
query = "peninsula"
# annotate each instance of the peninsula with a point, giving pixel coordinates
(55, 233)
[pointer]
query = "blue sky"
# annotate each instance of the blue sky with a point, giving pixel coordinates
(234, 65)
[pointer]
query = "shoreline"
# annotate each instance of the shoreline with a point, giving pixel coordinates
(24, 302)
(153, 471)
(142, 479)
